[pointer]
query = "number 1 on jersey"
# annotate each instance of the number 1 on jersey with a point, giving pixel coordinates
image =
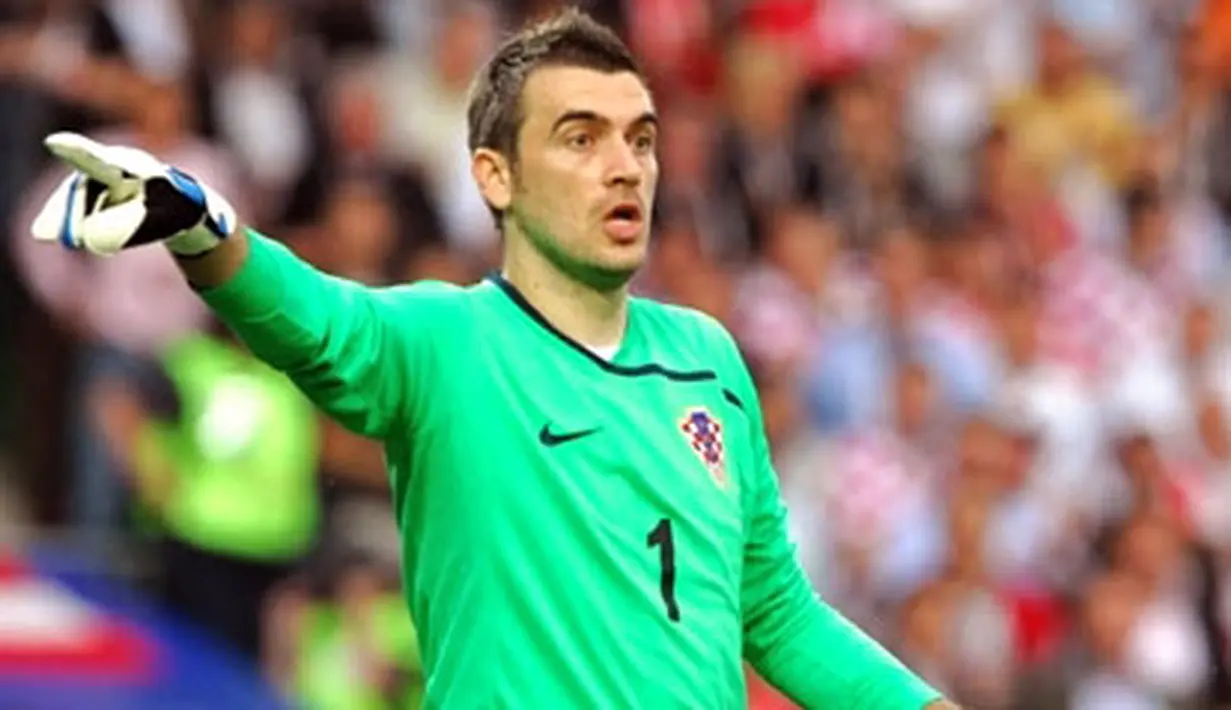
(661, 536)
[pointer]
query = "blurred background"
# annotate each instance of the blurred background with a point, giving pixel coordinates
(975, 252)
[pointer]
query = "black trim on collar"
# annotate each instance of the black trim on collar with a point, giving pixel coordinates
(625, 371)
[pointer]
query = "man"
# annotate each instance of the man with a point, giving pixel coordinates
(204, 442)
(581, 478)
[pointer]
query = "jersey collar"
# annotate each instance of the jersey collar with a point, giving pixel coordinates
(651, 368)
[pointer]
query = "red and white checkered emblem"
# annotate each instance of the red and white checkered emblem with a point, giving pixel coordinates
(704, 434)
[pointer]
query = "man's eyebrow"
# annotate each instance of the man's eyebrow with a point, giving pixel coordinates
(577, 115)
(647, 118)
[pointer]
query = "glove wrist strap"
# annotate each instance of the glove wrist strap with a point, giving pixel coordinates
(194, 242)
(218, 223)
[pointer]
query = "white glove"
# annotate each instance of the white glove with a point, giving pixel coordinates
(119, 197)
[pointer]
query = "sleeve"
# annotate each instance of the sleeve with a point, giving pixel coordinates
(361, 354)
(796, 641)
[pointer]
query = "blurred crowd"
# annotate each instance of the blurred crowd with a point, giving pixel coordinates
(975, 251)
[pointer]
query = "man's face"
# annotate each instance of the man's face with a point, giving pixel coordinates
(901, 262)
(1059, 55)
(586, 172)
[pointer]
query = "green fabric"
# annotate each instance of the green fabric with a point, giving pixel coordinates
(243, 455)
(538, 573)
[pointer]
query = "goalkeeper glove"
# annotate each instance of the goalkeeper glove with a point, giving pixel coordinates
(119, 197)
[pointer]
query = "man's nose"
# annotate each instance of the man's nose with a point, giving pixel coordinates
(624, 166)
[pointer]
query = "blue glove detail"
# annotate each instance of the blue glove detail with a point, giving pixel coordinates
(66, 228)
(186, 185)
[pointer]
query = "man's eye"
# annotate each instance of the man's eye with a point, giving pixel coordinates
(580, 140)
(644, 143)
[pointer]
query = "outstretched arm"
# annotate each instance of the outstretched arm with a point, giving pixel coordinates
(361, 354)
(803, 646)
(796, 641)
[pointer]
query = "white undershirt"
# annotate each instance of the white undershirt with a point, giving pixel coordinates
(606, 352)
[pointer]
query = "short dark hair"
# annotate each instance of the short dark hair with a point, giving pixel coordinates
(569, 38)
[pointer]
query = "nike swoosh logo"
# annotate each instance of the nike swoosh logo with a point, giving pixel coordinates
(549, 438)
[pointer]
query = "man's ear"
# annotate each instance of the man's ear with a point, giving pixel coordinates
(494, 176)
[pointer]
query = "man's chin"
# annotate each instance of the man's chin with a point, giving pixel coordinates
(608, 276)
(610, 271)
(609, 268)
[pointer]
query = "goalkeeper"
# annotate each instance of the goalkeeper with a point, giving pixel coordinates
(581, 478)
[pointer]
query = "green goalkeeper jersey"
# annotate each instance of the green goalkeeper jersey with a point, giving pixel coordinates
(577, 532)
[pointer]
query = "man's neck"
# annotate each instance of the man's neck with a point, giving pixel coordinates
(593, 318)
